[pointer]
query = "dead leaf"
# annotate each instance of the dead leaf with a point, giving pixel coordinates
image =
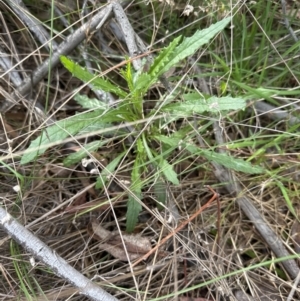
(111, 242)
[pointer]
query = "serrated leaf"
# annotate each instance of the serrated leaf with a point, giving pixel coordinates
(97, 82)
(168, 171)
(261, 92)
(226, 160)
(90, 103)
(127, 74)
(190, 45)
(175, 139)
(220, 158)
(225, 102)
(195, 104)
(162, 59)
(171, 141)
(58, 132)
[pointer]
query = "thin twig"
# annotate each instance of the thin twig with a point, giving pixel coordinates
(6, 64)
(15, 78)
(294, 287)
(274, 113)
(133, 41)
(101, 95)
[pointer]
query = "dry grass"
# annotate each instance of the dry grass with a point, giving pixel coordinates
(58, 202)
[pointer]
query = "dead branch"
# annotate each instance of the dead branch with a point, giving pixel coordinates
(35, 27)
(64, 48)
(128, 31)
(47, 256)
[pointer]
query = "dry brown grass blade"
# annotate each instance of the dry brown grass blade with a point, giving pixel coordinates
(214, 197)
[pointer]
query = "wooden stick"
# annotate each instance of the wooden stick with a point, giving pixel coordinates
(215, 195)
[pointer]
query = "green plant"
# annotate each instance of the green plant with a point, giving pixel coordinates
(22, 268)
(150, 127)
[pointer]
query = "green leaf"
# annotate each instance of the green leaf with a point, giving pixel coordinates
(157, 67)
(194, 103)
(87, 77)
(168, 171)
(226, 160)
(177, 138)
(58, 132)
(110, 168)
(127, 74)
(85, 151)
(190, 45)
(133, 210)
(133, 206)
(142, 83)
(262, 92)
(174, 53)
(160, 193)
(90, 103)
(220, 158)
